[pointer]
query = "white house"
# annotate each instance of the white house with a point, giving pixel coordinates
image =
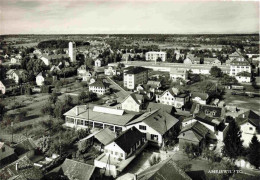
(133, 102)
(98, 63)
(82, 70)
(243, 77)
(155, 124)
(172, 97)
(99, 87)
(16, 75)
(87, 77)
(250, 125)
(199, 97)
(176, 73)
(191, 59)
(40, 78)
(19, 56)
(212, 61)
(239, 65)
(153, 56)
(112, 71)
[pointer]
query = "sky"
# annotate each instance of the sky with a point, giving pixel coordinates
(132, 17)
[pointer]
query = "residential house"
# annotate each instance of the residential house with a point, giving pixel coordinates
(22, 169)
(249, 122)
(173, 97)
(176, 74)
(134, 76)
(100, 138)
(99, 62)
(112, 71)
(16, 75)
(155, 124)
(191, 59)
(37, 52)
(239, 65)
(99, 117)
(55, 69)
(40, 78)
(154, 86)
(235, 55)
(7, 155)
(153, 56)
(196, 133)
(2, 88)
(6, 56)
(26, 148)
(119, 153)
(15, 60)
(212, 61)
(18, 56)
(133, 102)
(243, 77)
(200, 97)
(82, 70)
(99, 87)
(73, 169)
(87, 77)
(166, 170)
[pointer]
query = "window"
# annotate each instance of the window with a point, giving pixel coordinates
(116, 153)
(121, 154)
(251, 128)
(154, 137)
(142, 127)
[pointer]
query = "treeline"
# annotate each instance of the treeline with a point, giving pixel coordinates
(59, 44)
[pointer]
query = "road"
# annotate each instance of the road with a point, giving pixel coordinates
(113, 85)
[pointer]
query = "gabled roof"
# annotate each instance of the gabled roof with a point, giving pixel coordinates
(105, 136)
(99, 83)
(178, 71)
(26, 170)
(167, 108)
(210, 60)
(249, 116)
(77, 170)
(173, 91)
(235, 54)
(165, 170)
(25, 146)
(202, 108)
(157, 119)
(135, 97)
(129, 138)
(199, 129)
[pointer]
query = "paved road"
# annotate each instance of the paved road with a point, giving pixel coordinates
(121, 92)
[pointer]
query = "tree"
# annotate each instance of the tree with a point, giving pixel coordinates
(192, 150)
(154, 160)
(53, 98)
(159, 59)
(228, 80)
(2, 111)
(82, 98)
(254, 152)
(233, 145)
(215, 71)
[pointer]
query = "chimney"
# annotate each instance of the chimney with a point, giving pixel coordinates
(77, 110)
(243, 115)
(16, 166)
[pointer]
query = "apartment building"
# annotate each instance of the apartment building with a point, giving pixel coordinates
(239, 65)
(153, 56)
(134, 76)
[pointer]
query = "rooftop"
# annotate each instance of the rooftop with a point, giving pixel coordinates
(135, 70)
(103, 117)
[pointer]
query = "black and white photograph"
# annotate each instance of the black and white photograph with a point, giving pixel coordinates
(129, 90)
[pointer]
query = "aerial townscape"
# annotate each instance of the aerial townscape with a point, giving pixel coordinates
(129, 106)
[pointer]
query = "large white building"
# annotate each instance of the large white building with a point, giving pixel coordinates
(239, 65)
(153, 56)
(72, 54)
(134, 76)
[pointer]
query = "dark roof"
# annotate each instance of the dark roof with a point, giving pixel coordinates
(129, 138)
(99, 83)
(157, 119)
(25, 146)
(249, 116)
(135, 70)
(165, 170)
(238, 61)
(167, 108)
(26, 170)
(197, 128)
(77, 170)
(202, 108)
(208, 120)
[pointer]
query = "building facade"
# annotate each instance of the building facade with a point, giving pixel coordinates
(134, 76)
(153, 56)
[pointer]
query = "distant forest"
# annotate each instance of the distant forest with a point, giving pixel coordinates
(60, 44)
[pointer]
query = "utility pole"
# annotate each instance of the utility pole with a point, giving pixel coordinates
(12, 124)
